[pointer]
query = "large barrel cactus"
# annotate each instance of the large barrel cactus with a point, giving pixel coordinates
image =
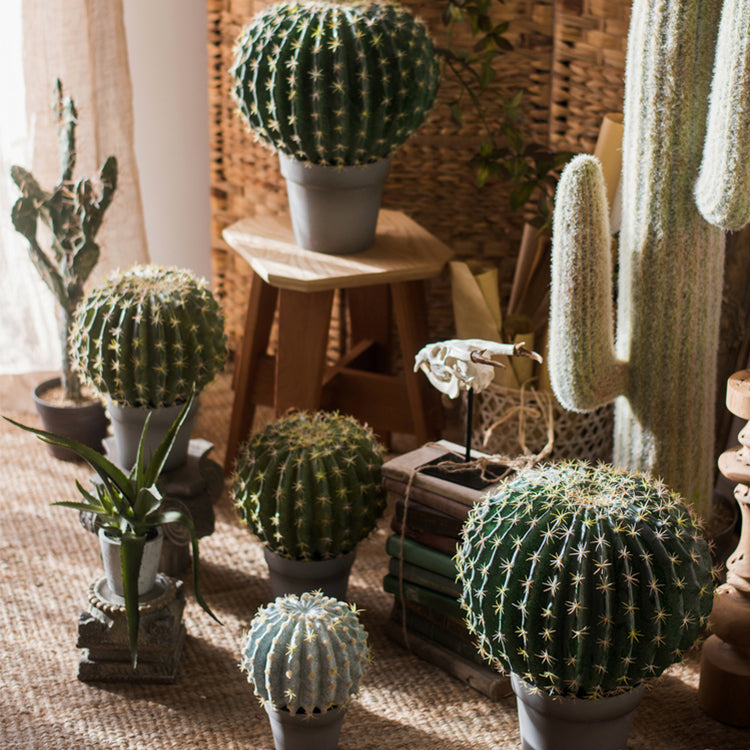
(341, 83)
(584, 581)
(309, 485)
(685, 178)
(148, 336)
(305, 652)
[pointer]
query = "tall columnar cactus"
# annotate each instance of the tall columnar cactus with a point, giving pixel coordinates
(584, 581)
(73, 213)
(661, 366)
(147, 336)
(331, 82)
(309, 485)
(305, 652)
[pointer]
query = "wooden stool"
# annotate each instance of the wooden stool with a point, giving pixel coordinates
(302, 283)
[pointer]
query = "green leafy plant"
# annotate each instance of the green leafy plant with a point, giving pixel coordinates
(128, 507)
(73, 213)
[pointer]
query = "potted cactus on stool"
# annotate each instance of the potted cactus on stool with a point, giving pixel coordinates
(582, 582)
(335, 87)
(309, 487)
(305, 656)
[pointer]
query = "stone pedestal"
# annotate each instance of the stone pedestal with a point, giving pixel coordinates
(103, 634)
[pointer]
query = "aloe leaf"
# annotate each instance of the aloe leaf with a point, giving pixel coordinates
(159, 458)
(139, 467)
(131, 554)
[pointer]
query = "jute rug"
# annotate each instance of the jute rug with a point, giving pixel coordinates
(47, 562)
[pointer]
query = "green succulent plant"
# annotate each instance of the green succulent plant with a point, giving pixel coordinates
(73, 213)
(305, 653)
(584, 581)
(683, 182)
(149, 336)
(340, 83)
(309, 485)
(128, 507)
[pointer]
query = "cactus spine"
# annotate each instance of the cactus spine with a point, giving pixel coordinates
(148, 336)
(305, 652)
(338, 83)
(584, 581)
(309, 485)
(73, 214)
(662, 364)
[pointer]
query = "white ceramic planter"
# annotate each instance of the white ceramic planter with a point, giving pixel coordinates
(297, 576)
(113, 567)
(306, 732)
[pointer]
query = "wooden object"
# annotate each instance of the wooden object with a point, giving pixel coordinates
(724, 690)
(301, 284)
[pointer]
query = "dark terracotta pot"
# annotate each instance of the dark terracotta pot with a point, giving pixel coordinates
(87, 423)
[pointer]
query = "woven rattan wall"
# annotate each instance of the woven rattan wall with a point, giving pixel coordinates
(568, 58)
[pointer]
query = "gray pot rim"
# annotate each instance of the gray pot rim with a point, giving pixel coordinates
(45, 385)
(322, 719)
(326, 176)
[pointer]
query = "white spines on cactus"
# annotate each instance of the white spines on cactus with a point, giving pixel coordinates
(305, 653)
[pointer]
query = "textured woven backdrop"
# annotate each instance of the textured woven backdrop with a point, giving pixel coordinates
(47, 562)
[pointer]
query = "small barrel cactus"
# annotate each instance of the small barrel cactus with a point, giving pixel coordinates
(148, 336)
(309, 485)
(341, 83)
(305, 652)
(584, 581)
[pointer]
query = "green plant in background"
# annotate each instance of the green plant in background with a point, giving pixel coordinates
(584, 581)
(309, 485)
(504, 150)
(149, 336)
(305, 652)
(340, 83)
(128, 507)
(661, 366)
(73, 213)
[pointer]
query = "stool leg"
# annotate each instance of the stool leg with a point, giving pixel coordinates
(304, 320)
(411, 321)
(260, 310)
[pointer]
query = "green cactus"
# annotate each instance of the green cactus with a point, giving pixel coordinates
(305, 652)
(584, 581)
(339, 83)
(661, 367)
(309, 485)
(148, 336)
(73, 214)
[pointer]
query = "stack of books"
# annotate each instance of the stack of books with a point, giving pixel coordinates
(430, 508)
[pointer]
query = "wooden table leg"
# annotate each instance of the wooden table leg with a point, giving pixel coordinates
(260, 311)
(411, 321)
(304, 320)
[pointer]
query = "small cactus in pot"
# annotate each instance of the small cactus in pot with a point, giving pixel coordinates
(583, 582)
(305, 657)
(146, 338)
(309, 487)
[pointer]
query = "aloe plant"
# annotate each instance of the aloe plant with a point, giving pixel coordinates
(128, 506)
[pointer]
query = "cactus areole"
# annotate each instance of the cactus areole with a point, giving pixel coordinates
(683, 182)
(309, 485)
(305, 653)
(584, 581)
(335, 83)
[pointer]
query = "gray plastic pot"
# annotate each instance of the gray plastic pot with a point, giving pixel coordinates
(334, 210)
(113, 567)
(553, 723)
(297, 576)
(304, 731)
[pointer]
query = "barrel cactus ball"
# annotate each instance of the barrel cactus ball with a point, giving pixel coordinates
(309, 485)
(584, 581)
(335, 82)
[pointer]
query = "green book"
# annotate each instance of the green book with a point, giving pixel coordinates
(420, 595)
(419, 554)
(423, 577)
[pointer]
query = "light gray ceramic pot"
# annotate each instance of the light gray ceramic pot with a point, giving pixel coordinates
(297, 576)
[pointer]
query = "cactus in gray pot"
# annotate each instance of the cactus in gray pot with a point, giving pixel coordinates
(309, 485)
(682, 186)
(338, 83)
(73, 213)
(584, 581)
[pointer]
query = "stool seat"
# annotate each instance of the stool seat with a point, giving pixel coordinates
(301, 284)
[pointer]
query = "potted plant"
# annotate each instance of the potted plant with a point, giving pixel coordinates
(305, 656)
(73, 214)
(129, 514)
(147, 338)
(309, 487)
(335, 87)
(583, 582)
